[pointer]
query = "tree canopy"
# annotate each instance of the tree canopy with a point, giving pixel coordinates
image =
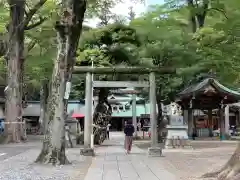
(161, 37)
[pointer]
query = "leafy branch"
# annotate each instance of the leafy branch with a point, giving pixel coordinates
(31, 13)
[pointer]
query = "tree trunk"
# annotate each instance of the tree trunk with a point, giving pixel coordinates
(161, 124)
(101, 116)
(74, 32)
(15, 62)
(68, 30)
(3, 44)
(231, 170)
(192, 16)
(54, 140)
(43, 105)
(197, 14)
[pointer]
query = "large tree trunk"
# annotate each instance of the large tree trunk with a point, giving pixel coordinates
(74, 31)
(69, 30)
(44, 91)
(231, 170)
(101, 116)
(14, 54)
(15, 62)
(54, 141)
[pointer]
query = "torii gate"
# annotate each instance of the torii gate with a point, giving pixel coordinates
(88, 121)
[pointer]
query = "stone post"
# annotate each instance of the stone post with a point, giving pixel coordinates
(154, 150)
(88, 121)
(185, 116)
(222, 124)
(226, 115)
(134, 114)
(190, 122)
(210, 123)
(238, 118)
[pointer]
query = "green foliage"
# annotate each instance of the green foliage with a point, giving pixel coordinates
(112, 44)
(162, 37)
(115, 44)
(3, 17)
(211, 51)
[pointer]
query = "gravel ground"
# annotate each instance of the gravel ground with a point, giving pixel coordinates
(191, 164)
(21, 167)
(145, 144)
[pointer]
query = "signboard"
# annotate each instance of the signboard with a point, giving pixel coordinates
(176, 120)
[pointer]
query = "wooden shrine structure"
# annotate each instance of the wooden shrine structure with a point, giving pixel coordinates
(133, 92)
(208, 95)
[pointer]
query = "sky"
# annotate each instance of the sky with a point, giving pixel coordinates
(123, 9)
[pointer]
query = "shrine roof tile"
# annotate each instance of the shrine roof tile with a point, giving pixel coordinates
(195, 88)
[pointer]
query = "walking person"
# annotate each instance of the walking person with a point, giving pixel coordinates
(128, 131)
(108, 129)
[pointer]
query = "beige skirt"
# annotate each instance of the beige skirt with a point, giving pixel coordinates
(128, 143)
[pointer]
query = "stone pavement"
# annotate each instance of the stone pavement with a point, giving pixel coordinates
(112, 163)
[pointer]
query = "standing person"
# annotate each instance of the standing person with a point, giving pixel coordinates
(139, 125)
(194, 134)
(108, 129)
(128, 131)
(142, 122)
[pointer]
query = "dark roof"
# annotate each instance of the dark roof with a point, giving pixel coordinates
(196, 88)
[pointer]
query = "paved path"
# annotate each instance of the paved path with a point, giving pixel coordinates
(112, 163)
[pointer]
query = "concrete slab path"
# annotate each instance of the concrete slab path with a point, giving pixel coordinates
(112, 163)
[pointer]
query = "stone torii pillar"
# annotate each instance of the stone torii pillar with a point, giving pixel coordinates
(134, 114)
(226, 115)
(154, 150)
(88, 121)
